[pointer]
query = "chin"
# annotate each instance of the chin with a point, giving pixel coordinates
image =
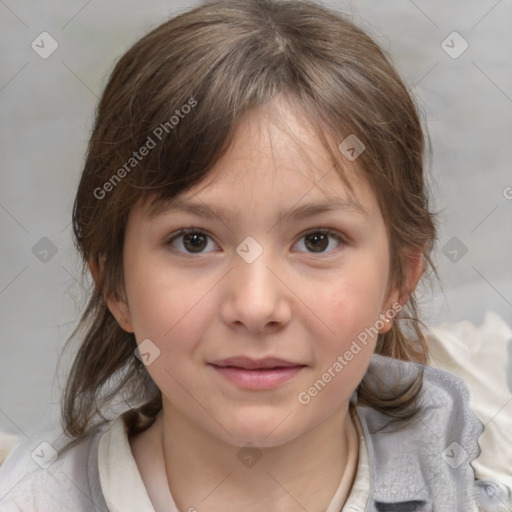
(261, 431)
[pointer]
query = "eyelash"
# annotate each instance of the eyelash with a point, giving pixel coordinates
(324, 231)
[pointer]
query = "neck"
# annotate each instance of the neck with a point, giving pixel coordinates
(305, 472)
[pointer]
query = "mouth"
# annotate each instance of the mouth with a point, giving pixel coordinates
(246, 363)
(257, 374)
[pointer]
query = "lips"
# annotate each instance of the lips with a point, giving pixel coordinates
(256, 374)
(247, 363)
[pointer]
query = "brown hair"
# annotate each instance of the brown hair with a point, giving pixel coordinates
(220, 60)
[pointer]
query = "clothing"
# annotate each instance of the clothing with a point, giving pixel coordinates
(117, 485)
(118, 471)
(482, 357)
(425, 466)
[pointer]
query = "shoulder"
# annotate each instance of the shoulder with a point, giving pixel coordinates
(444, 403)
(38, 475)
(441, 391)
(431, 454)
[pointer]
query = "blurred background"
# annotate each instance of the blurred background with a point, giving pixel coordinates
(454, 55)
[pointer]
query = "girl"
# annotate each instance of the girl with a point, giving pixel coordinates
(254, 214)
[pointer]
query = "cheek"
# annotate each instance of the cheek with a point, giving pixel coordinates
(166, 305)
(351, 309)
(355, 299)
(174, 320)
(344, 356)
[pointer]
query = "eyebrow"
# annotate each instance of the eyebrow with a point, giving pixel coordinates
(201, 209)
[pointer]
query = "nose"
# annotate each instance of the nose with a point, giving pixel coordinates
(256, 298)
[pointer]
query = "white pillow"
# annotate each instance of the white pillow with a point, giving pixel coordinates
(482, 358)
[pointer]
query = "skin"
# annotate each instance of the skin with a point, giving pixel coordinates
(292, 302)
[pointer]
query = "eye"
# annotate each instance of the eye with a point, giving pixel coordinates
(319, 240)
(196, 241)
(190, 241)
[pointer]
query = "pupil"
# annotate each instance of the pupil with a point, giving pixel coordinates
(195, 240)
(318, 237)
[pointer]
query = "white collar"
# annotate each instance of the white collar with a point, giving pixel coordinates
(124, 489)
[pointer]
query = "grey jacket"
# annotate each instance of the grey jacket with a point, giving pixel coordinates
(423, 466)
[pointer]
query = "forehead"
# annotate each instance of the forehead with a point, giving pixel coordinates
(276, 159)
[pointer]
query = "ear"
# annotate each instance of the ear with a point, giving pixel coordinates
(118, 306)
(414, 268)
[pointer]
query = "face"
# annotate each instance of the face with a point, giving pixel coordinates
(256, 287)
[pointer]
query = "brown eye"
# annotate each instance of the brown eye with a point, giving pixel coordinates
(321, 241)
(190, 241)
(317, 242)
(194, 242)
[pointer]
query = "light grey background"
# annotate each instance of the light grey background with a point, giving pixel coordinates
(47, 108)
